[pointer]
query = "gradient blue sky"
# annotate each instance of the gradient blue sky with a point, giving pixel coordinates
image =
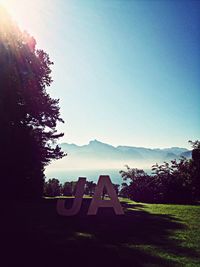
(126, 72)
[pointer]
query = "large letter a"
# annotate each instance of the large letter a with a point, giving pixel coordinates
(97, 201)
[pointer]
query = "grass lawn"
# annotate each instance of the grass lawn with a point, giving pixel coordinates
(181, 244)
(147, 235)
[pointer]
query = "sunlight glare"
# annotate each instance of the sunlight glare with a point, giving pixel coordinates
(25, 13)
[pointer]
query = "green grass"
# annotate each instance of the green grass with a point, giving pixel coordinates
(186, 251)
(147, 235)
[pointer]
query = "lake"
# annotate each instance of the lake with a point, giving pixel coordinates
(91, 175)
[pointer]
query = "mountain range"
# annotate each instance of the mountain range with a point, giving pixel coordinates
(98, 150)
(97, 158)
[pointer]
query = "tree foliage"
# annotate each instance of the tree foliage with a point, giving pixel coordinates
(69, 188)
(52, 188)
(195, 144)
(28, 115)
(174, 182)
(89, 188)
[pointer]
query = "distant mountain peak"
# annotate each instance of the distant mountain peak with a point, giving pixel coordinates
(95, 141)
(98, 144)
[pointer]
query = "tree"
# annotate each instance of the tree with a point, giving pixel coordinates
(174, 182)
(89, 188)
(52, 188)
(140, 187)
(28, 115)
(116, 187)
(69, 188)
(196, 166)
(195, 144)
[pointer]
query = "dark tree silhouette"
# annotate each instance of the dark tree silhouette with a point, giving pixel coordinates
(116, 187)
(53, 188)
(140, 187)
(69, 188)
(28, 115)
(196, 163)
(174, 182)
(89, 188)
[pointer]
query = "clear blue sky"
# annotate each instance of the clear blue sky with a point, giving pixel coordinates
(126, 72)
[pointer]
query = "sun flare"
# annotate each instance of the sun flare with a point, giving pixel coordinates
(24, 13)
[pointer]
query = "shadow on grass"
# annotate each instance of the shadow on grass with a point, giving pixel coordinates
(37, 235)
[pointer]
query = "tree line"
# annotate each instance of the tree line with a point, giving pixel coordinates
(53, 187)
(174, 182)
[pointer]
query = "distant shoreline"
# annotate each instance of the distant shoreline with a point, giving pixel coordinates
(91, 175)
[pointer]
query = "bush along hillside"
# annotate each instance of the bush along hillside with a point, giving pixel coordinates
(174, 182)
